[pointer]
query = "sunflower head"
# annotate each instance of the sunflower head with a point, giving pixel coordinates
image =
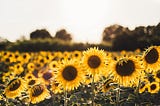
(153, 87)
(151, 57)
(69, 74)
(125, 67)
(53, 65)
(15, 87)
(94, 61)
(126, 70)
(38, 93)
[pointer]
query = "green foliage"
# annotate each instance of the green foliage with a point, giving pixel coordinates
(50, 45)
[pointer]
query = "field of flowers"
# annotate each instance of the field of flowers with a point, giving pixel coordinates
(92, 77)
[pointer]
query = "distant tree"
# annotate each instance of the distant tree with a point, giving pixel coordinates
(156, 30)
(124, 41)
(63, 35)
(42, 33)
(112, 31)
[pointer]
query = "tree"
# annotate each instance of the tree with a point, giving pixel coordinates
(124, 41)
(42, 33)
(63, 35)
(112, 31)
(156, 30)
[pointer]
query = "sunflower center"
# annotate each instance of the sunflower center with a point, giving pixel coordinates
(14, 85)
(76, 55)
(47, 75)
(153, 87)
(126, 68)
(69, 73)
(32, 82)
(37, 90)
(54, 65)
(152, 56)
(94, 61)
(42, 61)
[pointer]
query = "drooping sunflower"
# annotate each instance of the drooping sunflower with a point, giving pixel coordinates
(153, 87)
(126, 70)
(94, 61)
(15, 87)
(47, 76)
(107, 85)
(38, 93)
(69, 75)
(151, 58)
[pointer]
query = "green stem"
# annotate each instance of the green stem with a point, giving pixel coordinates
(93, 88)
(118, 95)
(65, 98)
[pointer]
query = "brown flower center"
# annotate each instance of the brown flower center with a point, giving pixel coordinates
(126, 68)
(31, 82)
(14, 85)
(152, 56)
(69, 73)
(94, 61)
(153, 86)
(37, 90)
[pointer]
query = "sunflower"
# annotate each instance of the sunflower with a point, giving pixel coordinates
(126, 69)
(66, 54)
(157, 75)
(56, 88)
(29, 76)
(69, 75)
(47, 76)
(30, 66)
(33, 81)
(153, 87)
(107, 85)
(93, 61)
(77, 55)
(143, 85)
(38, 93)
(8, 76)
(53, 65)
(151, 58)
(25, 57)
(18, 68)
(15, 87)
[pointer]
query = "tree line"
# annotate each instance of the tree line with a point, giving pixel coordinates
(114, 38)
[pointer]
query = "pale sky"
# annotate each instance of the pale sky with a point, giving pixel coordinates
(84, 19)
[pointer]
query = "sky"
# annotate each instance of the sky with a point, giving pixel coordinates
(84, 19)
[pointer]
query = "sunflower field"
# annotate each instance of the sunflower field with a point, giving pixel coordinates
(93, 77)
